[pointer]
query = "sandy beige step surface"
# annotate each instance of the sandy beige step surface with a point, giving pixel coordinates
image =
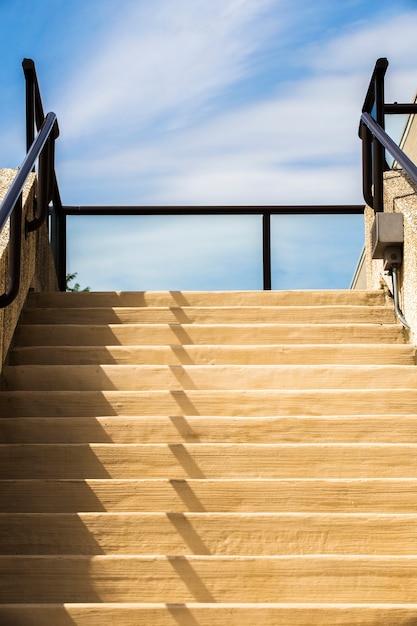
(209, 614)
(362, 495)
(210, 334)
(179, 465)
(179, 579)
(227, 534)
(211, 377)
(209, 298)
(217, 403)
(209, 315)
(221, 429)
(313, 354)
(212, 461)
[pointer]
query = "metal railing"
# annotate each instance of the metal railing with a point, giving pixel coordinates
(374, 139)
(265, 211)
(41, 151)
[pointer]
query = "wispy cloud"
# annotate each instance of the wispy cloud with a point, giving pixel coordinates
(152, 103)
(162, 63)
(214, 102)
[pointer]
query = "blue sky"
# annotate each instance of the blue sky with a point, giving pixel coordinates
(206, 102)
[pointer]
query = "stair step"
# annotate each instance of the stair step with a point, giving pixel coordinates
(208, 458)
(361, 495)
(240, 534)
(313, 354)
(206, 377)
(213, 334)
(213, 461)
(217, 403)
(208, 614)
(177, 429)
(211, 315)
(208, 298)
(180, 579)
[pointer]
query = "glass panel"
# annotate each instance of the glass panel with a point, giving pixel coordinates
(315, 252)
(212, 252)
(146, 253)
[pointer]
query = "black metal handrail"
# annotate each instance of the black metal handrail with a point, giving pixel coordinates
(389, 144)
(375, 140)
(34, 119)
(11, 206)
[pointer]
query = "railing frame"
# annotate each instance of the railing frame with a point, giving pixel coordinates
(11, 206)
(374, 143)
(265, 211)
(51, 198)
(375, 140)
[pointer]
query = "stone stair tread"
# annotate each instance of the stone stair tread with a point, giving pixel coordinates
(255, 403)
(209, 334)
(206, 377)
(201, 461)
(287, 354)
(204, 578)
(377, 428)
(353, 495)
(208, 315)
(208, 533)
(202, 298)
(209, 614)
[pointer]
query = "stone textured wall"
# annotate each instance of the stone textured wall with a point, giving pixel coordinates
(37, 267)
(400, 196)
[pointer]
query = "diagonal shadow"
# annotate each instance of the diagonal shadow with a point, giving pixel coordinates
(184, 428)
(188, 533)
(182, 376)
(184, 402)
(181, 614)
(179, 298)
(181, 355)
(180, 315)
(181, 334)
(186, 461)
(187, 495)
(191, 579)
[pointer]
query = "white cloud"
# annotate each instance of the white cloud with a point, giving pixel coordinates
(164, 60)
(223, 156)
(161, 130)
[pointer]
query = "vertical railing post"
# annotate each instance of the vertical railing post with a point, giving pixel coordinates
(378, 148)
(58, 236)
(266, 239)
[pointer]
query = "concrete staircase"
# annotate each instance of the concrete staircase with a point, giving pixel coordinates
(201, 459)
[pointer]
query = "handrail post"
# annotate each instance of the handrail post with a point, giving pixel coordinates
(379, 150)
(58, 237)
(373, 152)
(46, 181)
(266, 241)
(367, 181)
(30, 112)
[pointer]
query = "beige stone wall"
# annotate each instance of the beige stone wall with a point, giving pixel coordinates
(400, 196)
(37, 268)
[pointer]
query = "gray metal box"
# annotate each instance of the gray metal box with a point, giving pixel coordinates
(387, 230)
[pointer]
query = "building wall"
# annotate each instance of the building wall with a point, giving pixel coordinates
(37, 267)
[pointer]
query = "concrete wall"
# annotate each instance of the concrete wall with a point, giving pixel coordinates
(37, 267)
(400, 196)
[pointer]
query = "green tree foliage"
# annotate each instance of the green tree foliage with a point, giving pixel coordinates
(76, 286)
